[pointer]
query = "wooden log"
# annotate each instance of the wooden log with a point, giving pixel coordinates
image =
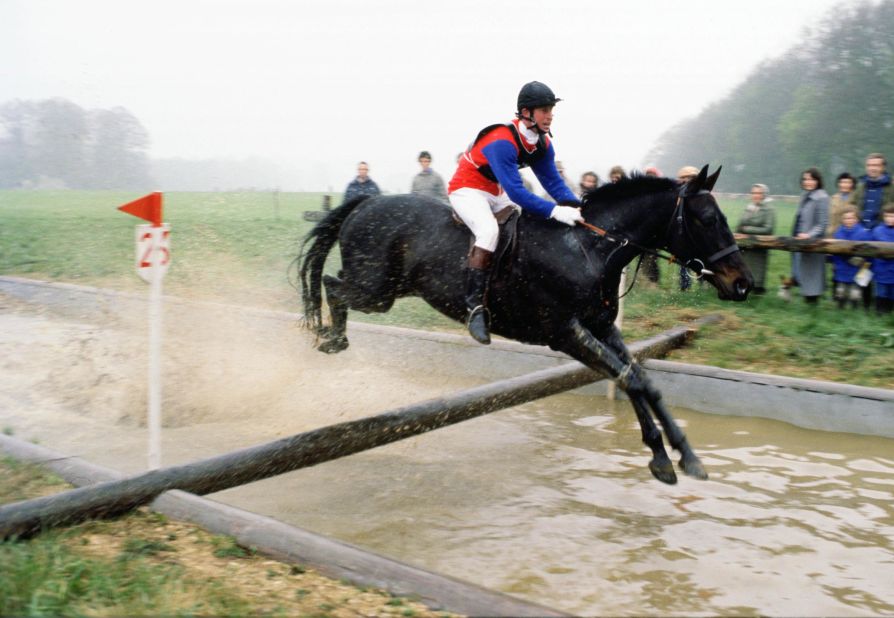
(868, 249)
(293, 545)
(112, 498)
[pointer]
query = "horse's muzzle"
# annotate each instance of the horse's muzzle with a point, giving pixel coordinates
(736, 290)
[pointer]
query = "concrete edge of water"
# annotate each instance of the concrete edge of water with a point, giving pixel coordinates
(812, 404)
(294, 545)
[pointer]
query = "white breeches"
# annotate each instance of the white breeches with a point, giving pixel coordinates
(476, 208)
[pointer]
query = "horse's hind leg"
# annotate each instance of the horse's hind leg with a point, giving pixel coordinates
(583, 346)
(689, 461)
(336, 340)
(343, 294)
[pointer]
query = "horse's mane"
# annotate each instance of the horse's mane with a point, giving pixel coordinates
(626, 188)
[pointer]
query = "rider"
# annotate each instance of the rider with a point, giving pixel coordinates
(487, 180)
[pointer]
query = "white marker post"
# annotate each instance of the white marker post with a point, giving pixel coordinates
(153, 257)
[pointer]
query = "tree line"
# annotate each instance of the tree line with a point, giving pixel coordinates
(55, 143)
(826, 103)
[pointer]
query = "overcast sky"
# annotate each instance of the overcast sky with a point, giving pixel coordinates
(317, 86)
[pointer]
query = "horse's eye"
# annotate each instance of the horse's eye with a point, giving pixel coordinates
(706, 219)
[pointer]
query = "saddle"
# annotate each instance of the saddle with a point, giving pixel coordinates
(507, 244)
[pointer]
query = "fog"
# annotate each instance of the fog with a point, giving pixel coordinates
(314, 87)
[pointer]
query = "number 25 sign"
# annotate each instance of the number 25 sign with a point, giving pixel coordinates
(153, 248)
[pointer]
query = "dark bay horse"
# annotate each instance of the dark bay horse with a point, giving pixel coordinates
(558, 287)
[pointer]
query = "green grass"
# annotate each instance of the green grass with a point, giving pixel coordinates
(238, 247)
(143, 565)
(47, 575)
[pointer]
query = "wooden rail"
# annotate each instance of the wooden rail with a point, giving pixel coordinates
(870, 249)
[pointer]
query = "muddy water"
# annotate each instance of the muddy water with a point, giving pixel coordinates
(549, 501)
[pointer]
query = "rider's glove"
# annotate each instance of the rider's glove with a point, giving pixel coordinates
(566, 214)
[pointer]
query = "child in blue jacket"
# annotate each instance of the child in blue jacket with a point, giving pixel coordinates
(883, 268)
(845, 268)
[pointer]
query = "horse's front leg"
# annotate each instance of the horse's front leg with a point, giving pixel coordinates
(689, 461)
(582, 345)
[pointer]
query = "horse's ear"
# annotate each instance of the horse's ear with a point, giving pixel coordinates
(709, 183)
(696, 184)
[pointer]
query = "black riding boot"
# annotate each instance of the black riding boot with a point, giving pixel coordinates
(476, 290)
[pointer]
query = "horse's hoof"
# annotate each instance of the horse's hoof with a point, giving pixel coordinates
(334, 345)
(664, 472)
(693, 467)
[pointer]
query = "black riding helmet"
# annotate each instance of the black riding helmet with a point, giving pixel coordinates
(536, 94)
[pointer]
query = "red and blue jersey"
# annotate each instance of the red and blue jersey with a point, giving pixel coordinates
(492, 162)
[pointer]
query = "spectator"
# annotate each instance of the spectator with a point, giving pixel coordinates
(589, 182)
(844, 268)
(616, 173)
(650, 262)
(883, 268)
(871, 194)
(838, 202)
(686, 173)
(758, 218)
(874, 190)
(561, 169)
(362, 184)
(428, 181)
(810, 222)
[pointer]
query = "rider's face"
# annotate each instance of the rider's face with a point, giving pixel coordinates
(541, 116)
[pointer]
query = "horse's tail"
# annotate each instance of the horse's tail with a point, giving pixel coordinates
(322, 238)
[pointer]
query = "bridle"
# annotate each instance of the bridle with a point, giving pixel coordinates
(696, 265)
(687, 238)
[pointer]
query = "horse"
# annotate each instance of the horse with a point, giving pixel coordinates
(555, 285)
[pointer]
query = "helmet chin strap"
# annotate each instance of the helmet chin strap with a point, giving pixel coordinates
(535, 125)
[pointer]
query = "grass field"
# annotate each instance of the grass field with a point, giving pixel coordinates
(238, 247)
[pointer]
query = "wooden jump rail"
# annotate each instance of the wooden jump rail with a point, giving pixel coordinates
(869, 249)
(22, 519)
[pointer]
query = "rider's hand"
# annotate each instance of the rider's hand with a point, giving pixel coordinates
(566, 215)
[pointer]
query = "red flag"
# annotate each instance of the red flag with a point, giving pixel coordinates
(147, 207)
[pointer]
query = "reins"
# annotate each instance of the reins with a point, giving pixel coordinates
(677, 216)
(672, 259)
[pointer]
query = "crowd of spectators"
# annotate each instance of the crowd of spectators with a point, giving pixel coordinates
(860, 210)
